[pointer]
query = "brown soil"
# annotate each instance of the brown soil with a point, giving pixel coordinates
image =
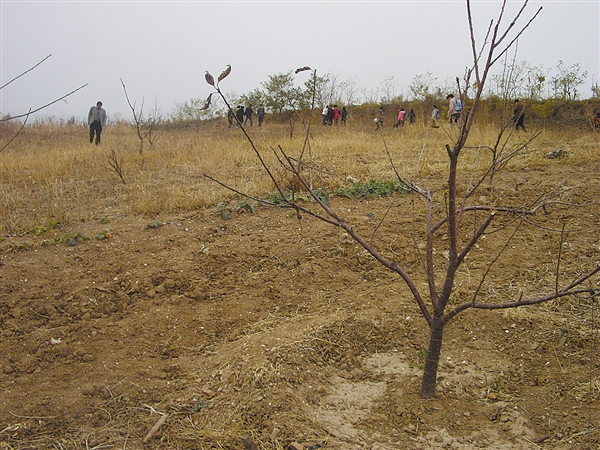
(282, 330)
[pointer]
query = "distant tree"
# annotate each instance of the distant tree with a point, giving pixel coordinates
(193, 110)
(595, 90)
(388, 90)
(348, 92)
(422, 86)
(508, 83)
(565, 83)
(280, 93)
(255, 97)
(519, 79)
(535, 82)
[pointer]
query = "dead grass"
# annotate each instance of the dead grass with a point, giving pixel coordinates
(52, 175)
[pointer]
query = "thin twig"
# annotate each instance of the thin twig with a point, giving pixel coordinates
(45, 106)
(17, 133)
(27, 71)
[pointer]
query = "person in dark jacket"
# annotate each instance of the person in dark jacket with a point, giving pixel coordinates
(344, 115)
(261, 115)
(239, 115)
(518, 115)
(96, 120)
(248, 114)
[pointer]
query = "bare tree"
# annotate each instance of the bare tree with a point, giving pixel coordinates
(422, 86)
(461, 215)
(145, 127)
(387, 90)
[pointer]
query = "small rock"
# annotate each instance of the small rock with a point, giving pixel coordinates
(410, 428)
(208, 392)
(274, 434)
(225, 374)
(295, 446)
(248, 443)
(554, 154)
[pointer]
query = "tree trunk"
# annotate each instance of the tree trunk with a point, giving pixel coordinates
(433, 359)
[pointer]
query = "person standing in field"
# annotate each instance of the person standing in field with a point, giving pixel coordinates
(411, 117)
(239, 115)
(324, 114)
(336, 114)
(453, 112)
(330, 113)
(261, 115)
(248, 114)
(435, 115)
(230, 117)
(518, 115)
(344, 115)
(379, 118)
(96, 120)
(400, 118)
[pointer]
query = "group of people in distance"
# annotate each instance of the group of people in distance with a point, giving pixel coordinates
(402, 117)
(244, 115)
(332, 114)
(455, 110)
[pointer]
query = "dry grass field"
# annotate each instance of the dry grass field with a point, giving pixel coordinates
(152, 310)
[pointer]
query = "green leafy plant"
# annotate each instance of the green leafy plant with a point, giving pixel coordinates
(224, 211)
(244, 206)
(70, 240)
(155, 224)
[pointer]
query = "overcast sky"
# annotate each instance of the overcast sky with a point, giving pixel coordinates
(161, 48)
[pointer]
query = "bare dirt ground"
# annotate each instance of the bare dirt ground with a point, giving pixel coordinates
(191, 331)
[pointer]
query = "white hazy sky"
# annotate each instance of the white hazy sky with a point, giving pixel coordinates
(161, 48)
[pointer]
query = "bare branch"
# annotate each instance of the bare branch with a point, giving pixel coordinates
(493, 261)
(570, 290)
(45, 106)
(517, 36)
(27, 71)
(16, 134)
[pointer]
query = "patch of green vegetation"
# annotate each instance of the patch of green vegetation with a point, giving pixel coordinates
(16, 247)
(155, 224)
(421, 354)
(244, 206)
(279, 199)
(41, 229)
(372, 188)
(104, 234)
(70, 240)
(224, 211)
(323, 195)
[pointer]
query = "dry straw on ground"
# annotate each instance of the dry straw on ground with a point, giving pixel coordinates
(52, 175)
